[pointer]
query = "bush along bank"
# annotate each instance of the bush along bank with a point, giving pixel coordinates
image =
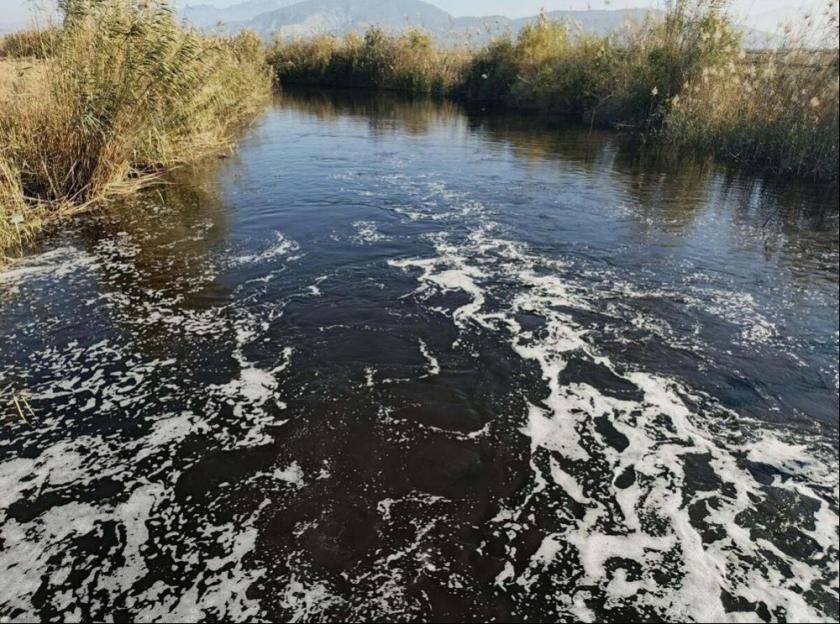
(684, 77)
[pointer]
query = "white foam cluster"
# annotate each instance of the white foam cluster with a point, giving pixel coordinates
(254, 389)
(281, 247)
(367, 232)
(55, 264)
(432, 361)
(43, 550)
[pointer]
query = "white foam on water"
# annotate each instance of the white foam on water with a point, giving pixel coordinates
(293, 475)
(649, 523)
(461, 278)
(568, 483)
(251, 393)
(306, 602)
(367, 232)
(45, 546)
(282, 247)
(170, 430)
(219, 585)
(370, 373)
(55, 264)
(315, 289)
(433, 364)
(116, 379)
(664, 430)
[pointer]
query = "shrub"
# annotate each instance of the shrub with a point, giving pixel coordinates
(491, 73)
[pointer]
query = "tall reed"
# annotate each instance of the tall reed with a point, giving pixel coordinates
(407, 62)
(127, 94)
(777, 108)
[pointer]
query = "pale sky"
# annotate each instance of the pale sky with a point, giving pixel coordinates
(18, 10)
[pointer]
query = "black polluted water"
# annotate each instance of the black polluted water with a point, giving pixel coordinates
(396, 360)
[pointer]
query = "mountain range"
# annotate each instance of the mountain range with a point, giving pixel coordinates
(293, 18)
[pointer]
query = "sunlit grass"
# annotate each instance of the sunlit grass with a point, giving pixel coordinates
(124, 95)
(777, 108)
(408, 62)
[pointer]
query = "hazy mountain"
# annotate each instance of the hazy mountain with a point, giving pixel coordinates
(205, 15)
(290, 19)
(343, 16)
(599, 22)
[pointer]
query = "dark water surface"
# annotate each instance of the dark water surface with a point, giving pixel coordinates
(394, 361)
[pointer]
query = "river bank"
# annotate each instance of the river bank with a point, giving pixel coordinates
(685, 80)
(121, 94)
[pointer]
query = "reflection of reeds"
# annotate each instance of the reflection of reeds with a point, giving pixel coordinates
(124, 93)
(385, 113)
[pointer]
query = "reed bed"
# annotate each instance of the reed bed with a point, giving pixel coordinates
(407, 62)
(778, 108)
(685, 78)
(31, 43)
(126, 94)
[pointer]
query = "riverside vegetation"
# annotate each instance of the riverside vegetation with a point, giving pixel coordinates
(685, 77)
(120, 92)
(123, 94)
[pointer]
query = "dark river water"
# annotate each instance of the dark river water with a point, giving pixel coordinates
(396, 361)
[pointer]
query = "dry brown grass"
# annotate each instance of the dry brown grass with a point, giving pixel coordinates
(776, 108)
(126, 95)
(20, 80)
(25, 76)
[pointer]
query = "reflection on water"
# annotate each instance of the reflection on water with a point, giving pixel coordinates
(665, 188)
(398, 360)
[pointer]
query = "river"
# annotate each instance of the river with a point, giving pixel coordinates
(396, 360)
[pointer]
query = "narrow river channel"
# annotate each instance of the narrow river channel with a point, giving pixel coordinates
(393, 360)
